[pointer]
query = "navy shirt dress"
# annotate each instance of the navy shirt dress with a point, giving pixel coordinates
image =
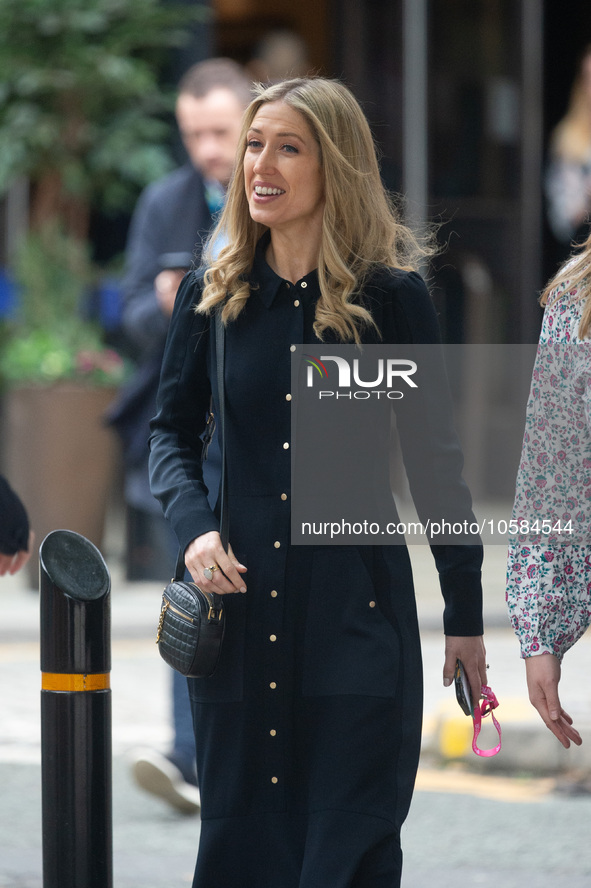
(308, 733)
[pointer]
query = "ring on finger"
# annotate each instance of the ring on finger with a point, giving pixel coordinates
(208, 571)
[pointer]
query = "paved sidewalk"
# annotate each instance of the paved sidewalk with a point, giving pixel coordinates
(155, 848)
(140, 691)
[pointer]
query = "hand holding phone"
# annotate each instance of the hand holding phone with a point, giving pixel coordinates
(463, 695)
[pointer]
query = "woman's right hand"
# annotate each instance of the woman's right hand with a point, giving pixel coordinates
(11, 564)
(543, 674)
(206, 551)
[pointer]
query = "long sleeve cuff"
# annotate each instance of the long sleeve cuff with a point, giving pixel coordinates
(462, 593)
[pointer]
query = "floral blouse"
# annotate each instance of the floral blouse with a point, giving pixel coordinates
(549, 561)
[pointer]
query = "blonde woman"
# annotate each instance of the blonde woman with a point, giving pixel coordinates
(568, 181)
(549, 564)
(308, 733)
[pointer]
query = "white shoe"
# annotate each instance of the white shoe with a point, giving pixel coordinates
(157, 774)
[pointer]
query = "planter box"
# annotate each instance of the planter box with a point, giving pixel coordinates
(60, 458)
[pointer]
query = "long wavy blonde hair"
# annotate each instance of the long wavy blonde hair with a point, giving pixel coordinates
(574, 275)
(361, 227)
(571, 138)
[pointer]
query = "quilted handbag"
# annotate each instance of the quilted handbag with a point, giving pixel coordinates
(191, 628)
(192, 621)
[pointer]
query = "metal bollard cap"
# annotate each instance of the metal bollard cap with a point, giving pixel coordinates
(75, 565)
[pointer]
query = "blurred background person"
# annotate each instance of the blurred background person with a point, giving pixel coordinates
(16, 538)
(568, 180)
(280, 54)
(171, 220)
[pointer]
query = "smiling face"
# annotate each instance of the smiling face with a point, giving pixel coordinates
(282, 172)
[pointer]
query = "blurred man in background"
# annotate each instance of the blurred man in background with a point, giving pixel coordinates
(170, 223)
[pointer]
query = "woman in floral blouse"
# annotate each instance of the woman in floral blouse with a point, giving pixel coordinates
(549, 561)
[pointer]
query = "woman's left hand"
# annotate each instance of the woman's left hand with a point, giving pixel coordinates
(471, 651)
(543, 676)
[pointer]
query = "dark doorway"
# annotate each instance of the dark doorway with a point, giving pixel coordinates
(567, 30)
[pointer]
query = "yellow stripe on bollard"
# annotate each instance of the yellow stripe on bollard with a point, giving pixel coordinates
(61, 681)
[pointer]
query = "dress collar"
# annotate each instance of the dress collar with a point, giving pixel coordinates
(267, 284)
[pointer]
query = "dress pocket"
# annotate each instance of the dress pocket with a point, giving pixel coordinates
(349, 647)
(227, 682)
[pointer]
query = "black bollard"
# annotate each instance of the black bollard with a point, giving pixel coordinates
(76, 761)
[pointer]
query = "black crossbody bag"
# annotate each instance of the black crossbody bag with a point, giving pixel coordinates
(192, 621)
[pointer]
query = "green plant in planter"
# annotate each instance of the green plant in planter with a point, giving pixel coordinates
(83, 119)
(81, 108)
(50, 340)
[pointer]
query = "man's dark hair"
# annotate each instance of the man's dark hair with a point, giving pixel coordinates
(212, 74)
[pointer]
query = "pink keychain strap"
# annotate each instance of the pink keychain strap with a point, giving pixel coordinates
(484, 708)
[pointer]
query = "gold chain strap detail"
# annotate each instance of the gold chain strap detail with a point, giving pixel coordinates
(163, 610)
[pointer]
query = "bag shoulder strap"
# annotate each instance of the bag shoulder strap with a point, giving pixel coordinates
(220, 341)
